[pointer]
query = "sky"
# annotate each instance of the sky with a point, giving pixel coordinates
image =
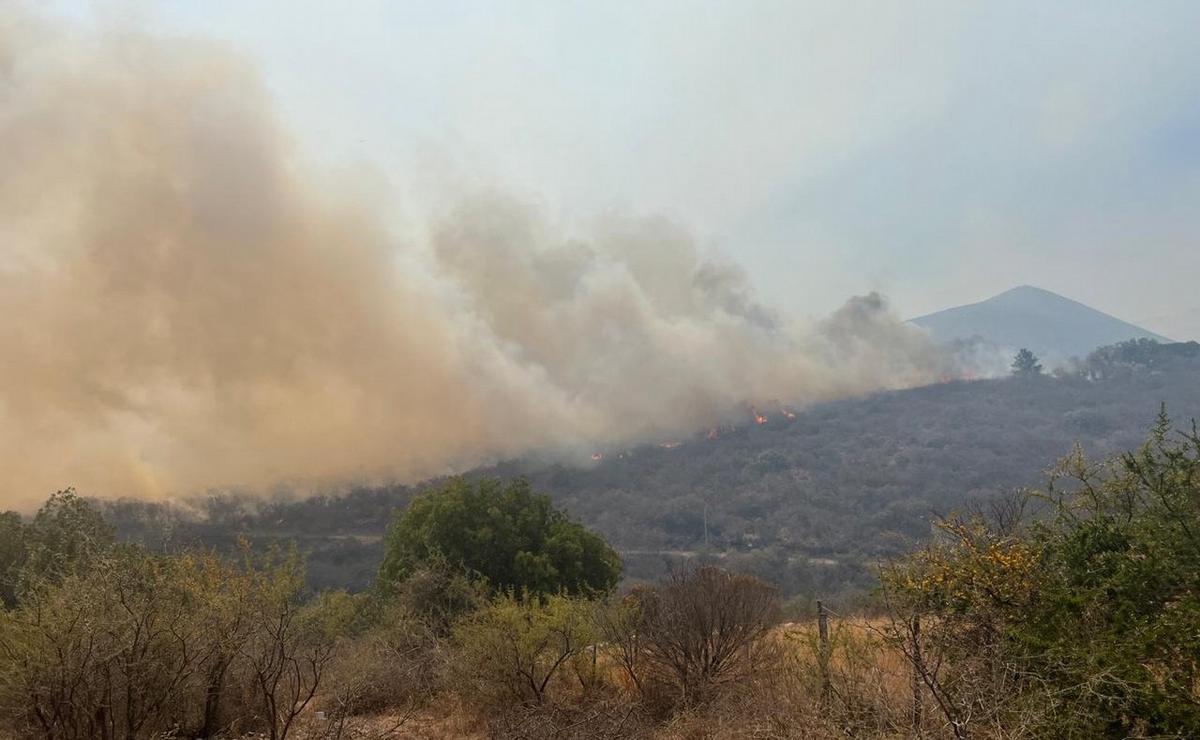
(938, 152)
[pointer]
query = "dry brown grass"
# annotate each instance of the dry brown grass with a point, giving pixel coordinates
(445, 717)
(870, 695)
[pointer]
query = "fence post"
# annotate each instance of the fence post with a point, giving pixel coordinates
(823, 635)
(917, 705)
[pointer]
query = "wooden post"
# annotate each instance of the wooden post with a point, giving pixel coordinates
(917, 705)
(823, 635)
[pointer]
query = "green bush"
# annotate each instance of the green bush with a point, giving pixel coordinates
(512, 651)
(1091, 611)
(1116, 619)
(503, 533)
(109, 641)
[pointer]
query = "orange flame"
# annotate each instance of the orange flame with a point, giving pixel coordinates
(951, 378)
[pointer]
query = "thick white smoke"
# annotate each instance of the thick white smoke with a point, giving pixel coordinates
(183, 305)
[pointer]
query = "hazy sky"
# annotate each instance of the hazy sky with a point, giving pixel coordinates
(939, 152)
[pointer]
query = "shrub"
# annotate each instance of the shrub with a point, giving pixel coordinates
(130, 645)
(1091, 612)
(437, 594)
(700, 629)
(514, 650)
(121, 649)
(503, 533)
(391, 666)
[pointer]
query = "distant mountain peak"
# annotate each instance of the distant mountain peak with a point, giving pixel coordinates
(1052, 325)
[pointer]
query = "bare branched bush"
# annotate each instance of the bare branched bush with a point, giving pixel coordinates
(287, 654)
(392, 667)
(702, 629)
(437, 594)
(121, 649)
(128, 645)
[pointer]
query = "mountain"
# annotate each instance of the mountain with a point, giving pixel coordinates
(1054, 327)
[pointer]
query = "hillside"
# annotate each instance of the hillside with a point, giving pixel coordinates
(810, 502)
(1054, 327)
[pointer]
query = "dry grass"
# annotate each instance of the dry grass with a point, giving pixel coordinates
(443, 718)
(869, 695)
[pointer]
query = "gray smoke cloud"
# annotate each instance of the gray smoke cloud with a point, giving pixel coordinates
(184, 305)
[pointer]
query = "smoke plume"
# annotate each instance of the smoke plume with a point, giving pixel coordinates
(184, 305)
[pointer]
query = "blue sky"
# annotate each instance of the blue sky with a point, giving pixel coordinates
(939, 152)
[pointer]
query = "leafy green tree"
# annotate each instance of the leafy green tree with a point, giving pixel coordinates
(66, 533)
(1025, 364)
(502, 532)
(1137, 355)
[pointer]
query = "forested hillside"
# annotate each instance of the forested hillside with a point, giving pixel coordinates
(811, 502)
